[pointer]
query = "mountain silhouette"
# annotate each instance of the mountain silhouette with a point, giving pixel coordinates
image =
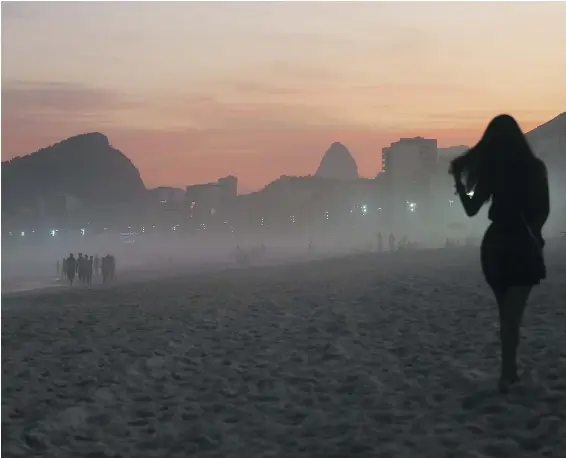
(338, 163)
(85, 167)
(553, 128)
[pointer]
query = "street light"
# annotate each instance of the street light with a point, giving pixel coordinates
(412, 206)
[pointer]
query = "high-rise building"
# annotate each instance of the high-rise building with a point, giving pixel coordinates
(164, 194)
(452, 151)
(212, 201)
(230, 185)
(409, 165)
(443, 182)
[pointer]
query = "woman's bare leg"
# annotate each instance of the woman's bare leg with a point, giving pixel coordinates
(499, 298)
(513, 306)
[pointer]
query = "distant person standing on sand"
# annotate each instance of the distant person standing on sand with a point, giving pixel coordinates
(96, 265)
(71, 265)
(108, 267)
(63, 269)
(503, 168)
(311, 246)
(89, 264)
(112, 267)
(391, 242)
(83, 269)
(79, 263)
(104, 269)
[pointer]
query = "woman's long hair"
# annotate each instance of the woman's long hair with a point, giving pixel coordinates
(501, 158)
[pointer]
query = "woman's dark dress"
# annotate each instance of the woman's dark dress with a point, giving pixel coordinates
(511, 255)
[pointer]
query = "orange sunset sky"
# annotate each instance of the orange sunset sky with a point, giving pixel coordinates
(194, 91)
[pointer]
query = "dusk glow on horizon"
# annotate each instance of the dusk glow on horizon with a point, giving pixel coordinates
(192, 91)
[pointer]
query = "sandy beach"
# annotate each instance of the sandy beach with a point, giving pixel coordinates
(372, 355)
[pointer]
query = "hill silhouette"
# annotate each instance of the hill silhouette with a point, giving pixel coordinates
(85, 167)
(338, 163)
(556, 126)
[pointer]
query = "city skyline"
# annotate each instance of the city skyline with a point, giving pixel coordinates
(194, 91)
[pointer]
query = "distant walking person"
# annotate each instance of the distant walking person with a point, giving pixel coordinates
(503, 168)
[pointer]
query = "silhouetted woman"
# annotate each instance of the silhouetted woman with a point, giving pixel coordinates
(502, 168)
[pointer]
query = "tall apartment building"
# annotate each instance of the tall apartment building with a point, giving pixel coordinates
(230, 186)
(409, 165)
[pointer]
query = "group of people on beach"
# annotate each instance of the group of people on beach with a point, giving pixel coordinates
(85, 267)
